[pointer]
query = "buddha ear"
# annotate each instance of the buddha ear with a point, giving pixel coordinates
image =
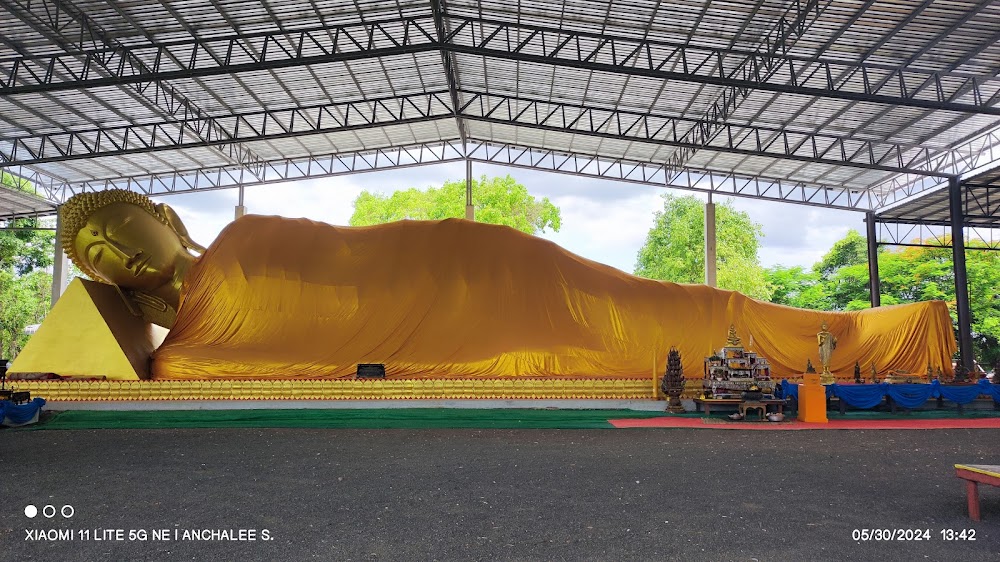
(178, 227)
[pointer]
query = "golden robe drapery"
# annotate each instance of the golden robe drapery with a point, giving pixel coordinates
(286, 298)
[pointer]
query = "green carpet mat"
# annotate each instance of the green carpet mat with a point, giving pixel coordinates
(406, 418)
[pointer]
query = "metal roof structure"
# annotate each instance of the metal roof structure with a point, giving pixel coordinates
(17, 204)
(848, 104)
(926, 220)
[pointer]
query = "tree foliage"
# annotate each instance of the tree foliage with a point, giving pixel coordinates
(497, 200)
(23, 250)
(675, 247)
(25, 285)
(840, 282)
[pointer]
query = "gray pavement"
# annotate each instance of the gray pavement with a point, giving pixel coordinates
(495, 494)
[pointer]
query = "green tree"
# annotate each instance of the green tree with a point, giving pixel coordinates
(497, 200)
(793, 286)
(25, 286)
(849, 250)
(675, 247)
(23, 250)
(913, 274)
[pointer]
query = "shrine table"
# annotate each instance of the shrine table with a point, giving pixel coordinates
(709, 403)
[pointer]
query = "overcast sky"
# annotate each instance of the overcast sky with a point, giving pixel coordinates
(601, 220)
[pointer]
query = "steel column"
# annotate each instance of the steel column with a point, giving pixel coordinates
(240, 208)
(710, 244)
(60, 265)
(961, 280)
(470, 211)
(874, 286)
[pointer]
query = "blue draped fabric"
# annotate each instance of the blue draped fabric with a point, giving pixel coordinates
(967, 393)
(908, 396)
(791, 390)
(19, 414)
(865, 396)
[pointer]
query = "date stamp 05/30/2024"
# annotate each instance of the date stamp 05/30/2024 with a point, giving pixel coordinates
(895, 534)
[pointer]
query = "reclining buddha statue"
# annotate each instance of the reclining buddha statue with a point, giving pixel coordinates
(280, 298)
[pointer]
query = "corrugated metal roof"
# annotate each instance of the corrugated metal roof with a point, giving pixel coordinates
(879, 98)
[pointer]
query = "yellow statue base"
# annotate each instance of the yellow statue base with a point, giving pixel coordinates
(341, 389)
(90, 332)
(827, 377)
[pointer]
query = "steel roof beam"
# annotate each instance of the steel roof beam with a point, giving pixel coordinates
(450, 65)
(806, 76)
(815, 77)
(732, 97)
(274, 171)
(60, 18)
(649, 173)
(964, 160)
(520, 111)
(937, 235)
(675, 131)
(177, 134)
(972, 158)
(617, 169)
(213, 56)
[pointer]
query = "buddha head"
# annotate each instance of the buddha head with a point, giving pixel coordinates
(123, 239)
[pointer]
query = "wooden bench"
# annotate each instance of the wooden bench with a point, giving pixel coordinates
(975, 474)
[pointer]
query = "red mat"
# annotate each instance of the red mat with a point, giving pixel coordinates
(716, 423)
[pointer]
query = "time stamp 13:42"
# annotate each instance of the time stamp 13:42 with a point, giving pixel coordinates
(863, 535)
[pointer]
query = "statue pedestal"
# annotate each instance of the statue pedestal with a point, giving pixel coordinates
(90, 332)
(812, 400)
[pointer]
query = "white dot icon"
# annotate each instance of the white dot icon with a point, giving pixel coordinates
(30, 511)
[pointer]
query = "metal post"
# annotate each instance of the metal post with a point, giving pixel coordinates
(240, 209)
(961, 280)
(874, 287)
(470, 211)
(711, 267)
(60, 265)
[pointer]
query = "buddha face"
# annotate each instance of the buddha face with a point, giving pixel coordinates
(130, 247)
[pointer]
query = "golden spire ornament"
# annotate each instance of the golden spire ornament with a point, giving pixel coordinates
(733, 340)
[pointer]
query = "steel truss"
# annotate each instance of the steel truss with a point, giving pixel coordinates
(95, 58)
(964, 160)
(478, 106)
(215, 56)
(252, 126)
(816, 77)
(58, 20)
(982, 202)
(935, 236)
(274, 171)
(487, 152)
(732, 97)
(631, 171)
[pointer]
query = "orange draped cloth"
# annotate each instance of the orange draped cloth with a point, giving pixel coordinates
(285, 298)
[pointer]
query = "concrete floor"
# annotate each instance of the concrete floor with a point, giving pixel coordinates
(497, 494)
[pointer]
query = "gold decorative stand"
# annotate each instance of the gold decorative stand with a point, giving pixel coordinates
(341, 389)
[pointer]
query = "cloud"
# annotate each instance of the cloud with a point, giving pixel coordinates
(797, 234)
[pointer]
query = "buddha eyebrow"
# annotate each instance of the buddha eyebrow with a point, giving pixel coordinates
(110, 229)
